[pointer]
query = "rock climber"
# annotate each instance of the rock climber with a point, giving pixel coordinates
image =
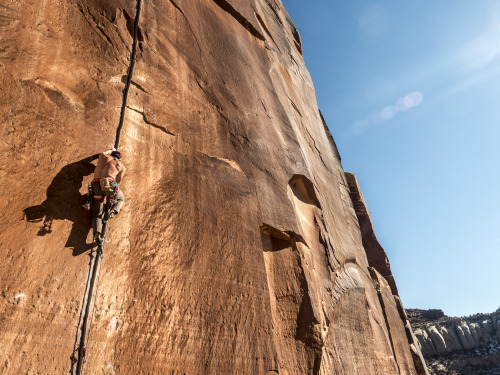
(107, 175)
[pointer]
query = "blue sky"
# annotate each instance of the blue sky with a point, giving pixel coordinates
(411, 94)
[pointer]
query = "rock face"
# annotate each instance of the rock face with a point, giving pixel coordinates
(376, 255)
(468, 345)
(382, 276)
(238, 250)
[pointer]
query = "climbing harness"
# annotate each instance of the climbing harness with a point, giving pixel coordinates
(108, 185)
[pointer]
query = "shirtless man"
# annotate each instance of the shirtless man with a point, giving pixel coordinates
(107, 175)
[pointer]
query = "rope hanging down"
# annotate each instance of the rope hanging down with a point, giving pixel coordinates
(96, 270)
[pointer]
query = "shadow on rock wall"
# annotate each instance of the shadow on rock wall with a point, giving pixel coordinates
(63, 202)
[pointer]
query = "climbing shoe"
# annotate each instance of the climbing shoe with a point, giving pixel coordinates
(87, 207)
(98, 239)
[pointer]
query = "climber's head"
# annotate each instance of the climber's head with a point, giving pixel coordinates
(117, 155)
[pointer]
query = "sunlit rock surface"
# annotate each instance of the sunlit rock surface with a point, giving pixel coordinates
(238, 250)
(468, 345)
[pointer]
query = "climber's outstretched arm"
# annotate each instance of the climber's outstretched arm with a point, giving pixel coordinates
(104, 154)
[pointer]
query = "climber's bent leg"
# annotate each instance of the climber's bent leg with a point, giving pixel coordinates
(97, 208)
(120, 199)
(97, 214)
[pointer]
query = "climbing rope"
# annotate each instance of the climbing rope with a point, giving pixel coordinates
(92, 296)
(83, 338)
(100, 255)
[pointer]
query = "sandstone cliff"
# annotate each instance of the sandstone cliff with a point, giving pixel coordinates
(469, 345)
(238, 250)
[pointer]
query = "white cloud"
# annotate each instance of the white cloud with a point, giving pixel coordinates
(457, 69)
(407, 102)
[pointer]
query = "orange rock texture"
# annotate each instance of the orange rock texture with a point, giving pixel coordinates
(238, 250)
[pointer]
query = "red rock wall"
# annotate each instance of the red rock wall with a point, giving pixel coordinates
(377, 258)
(238, 250)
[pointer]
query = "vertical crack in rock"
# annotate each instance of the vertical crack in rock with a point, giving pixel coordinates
(130, 72)
(240, 18)
(88, 303)
(81, 318)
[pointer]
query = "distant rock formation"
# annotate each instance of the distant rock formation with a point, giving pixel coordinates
(468, 345)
